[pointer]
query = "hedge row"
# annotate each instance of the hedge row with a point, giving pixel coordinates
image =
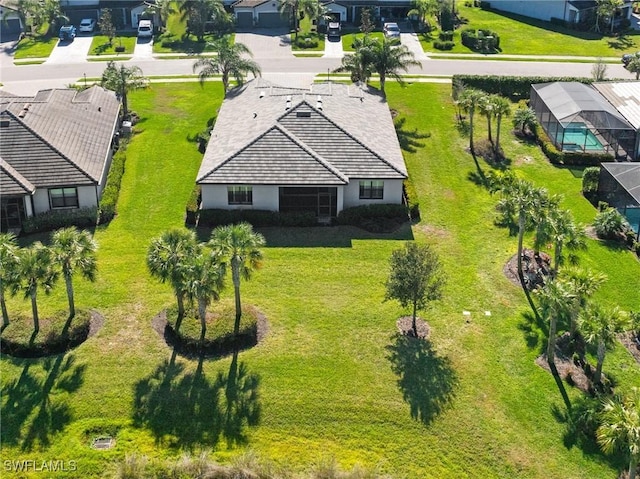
(193, 205)
(516, 88)
(55, 219)
(112, 188)
(375, 218)
(480, 40)
(439, 45)
(411, 199)
(258, 218)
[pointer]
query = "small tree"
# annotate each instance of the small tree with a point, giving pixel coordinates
(469, 101)
(556, 300)
(388, 60)
(106, 26)
(9, 262)
(599, 70)
(634, 65)
(525, 119)
(415, 278)
(366, 23)
(122, 80)
(204, 281)
(609, 223)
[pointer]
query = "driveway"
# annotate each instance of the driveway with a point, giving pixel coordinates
(71, 52)
(267, 42)
(144, 48)
(333, 47)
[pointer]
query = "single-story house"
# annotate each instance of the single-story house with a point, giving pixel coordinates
(625, 97)
(122, 11)
(10, 21)
(577, 117)
(619, 185)
(259, 13)
(571, 11)
(322, 149)
(55, 151)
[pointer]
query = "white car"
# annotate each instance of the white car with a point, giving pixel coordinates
(391, 30)
(87, 25)
(145, 28)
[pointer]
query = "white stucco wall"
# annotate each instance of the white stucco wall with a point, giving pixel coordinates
(86, 198)
(392, 193)
(264, 198)
(540, 9)
(267, 7)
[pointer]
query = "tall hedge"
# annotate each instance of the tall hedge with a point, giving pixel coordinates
(516, 88)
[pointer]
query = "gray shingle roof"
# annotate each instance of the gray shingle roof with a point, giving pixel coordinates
(327, 134)
(12, 182)
(627, 175)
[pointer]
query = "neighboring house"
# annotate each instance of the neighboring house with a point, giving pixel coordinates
(55, 151)
(122, 11)
(571, 11)
(320, 150)
(259, 13)
(577, 117)
(140, 12)
(619, 185)
(625, 97)
(10, 22)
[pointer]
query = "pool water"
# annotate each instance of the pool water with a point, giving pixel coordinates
(633, 217)
(578, 137)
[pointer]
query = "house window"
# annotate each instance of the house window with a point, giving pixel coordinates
(371, 190)
(240, 195)
(63, 197)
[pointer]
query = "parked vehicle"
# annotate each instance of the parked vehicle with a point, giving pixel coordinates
(67, 33)
(145, 28)
(87, 25)
(391, 30)
(333, 30)
(627, 57)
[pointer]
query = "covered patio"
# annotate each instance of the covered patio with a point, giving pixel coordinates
(576, 117)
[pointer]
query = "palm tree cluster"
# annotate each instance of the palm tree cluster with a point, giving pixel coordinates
(198, 13)
(196, 271)
(38, 267)
(493, 107)
(384, 58)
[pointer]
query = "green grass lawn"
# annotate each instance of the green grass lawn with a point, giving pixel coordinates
(349, 38)
(100, 44)
(520, 35)
(331, 379)
(38, 46)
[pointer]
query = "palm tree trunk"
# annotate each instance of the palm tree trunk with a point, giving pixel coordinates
(557, 254)
(497, 145)
(471, 113)
(489, 129)
(235, 275)
(34, 309)
(382, 82)
(72, 305)
(633, 466)
(180, 298)
(521, 228)
(551, 345)
(202, 313)
(125, 104)
(225, 81)
(415, 326)
(597, 375)
(3, 304)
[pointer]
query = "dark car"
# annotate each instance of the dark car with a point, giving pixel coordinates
(333, 30)
(67, 33)
(627, 57)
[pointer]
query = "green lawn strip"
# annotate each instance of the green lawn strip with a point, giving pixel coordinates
(533, 37)
(306, 32)
(325, 383)
(614, 61)
(100, 44)
(349, 38)
(35, 47)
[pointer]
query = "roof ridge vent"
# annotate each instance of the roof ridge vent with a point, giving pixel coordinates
(287, 105)
(303, 114)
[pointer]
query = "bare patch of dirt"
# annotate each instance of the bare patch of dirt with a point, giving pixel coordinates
(631, 341)
(433, 231)
(535, 267)
(96, 323)
(405, 327)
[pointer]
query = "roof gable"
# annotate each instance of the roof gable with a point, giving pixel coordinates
(12, 182)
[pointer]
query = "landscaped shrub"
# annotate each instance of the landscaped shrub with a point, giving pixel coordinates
(438, 45)
(446, 36)
(516, 88)
(193, 205)
(610, 224)
(590, 178)
(258, 218)
(375, 218)
(107, 207)
(480, 40)
(411, 199)
(306, 41)
(53, 220)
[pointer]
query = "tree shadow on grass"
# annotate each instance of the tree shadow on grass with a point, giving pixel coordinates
(409, 139)
(426, 380)
(535, 331)
(29, 393)
(185, 409)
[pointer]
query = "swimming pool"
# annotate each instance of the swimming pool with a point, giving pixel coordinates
(578, 137)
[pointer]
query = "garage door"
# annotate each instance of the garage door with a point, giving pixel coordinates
(12, 26)
(272, 20)
(244, 19)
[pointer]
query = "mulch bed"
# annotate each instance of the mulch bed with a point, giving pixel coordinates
(531, 263)
(630, 341)
(573, 374)
(405, 327)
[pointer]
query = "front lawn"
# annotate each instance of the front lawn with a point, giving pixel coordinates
(349, 38)
(525, 36)
(37, 46)
(331, 379)
(100, 44)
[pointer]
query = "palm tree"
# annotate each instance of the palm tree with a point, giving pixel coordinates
(289, 8)
(525, 119)
(620, 427)
(388, 59)
(25, 9)
(239, 246)
(162, 8)
(167, 259)
(358, 64)
(469, 101)
(485, 106)
(565, 233)
(204, 281)
(198, 12)
(228, 62)
(9, 262)
(599, 326)
(36, 270)
(555, 303)
(50, 11)
(583, 284)
(634, 65)
(501, 108)
(122, 80)
(74, 251)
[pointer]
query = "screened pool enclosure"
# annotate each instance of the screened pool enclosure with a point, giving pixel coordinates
(576, 117)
